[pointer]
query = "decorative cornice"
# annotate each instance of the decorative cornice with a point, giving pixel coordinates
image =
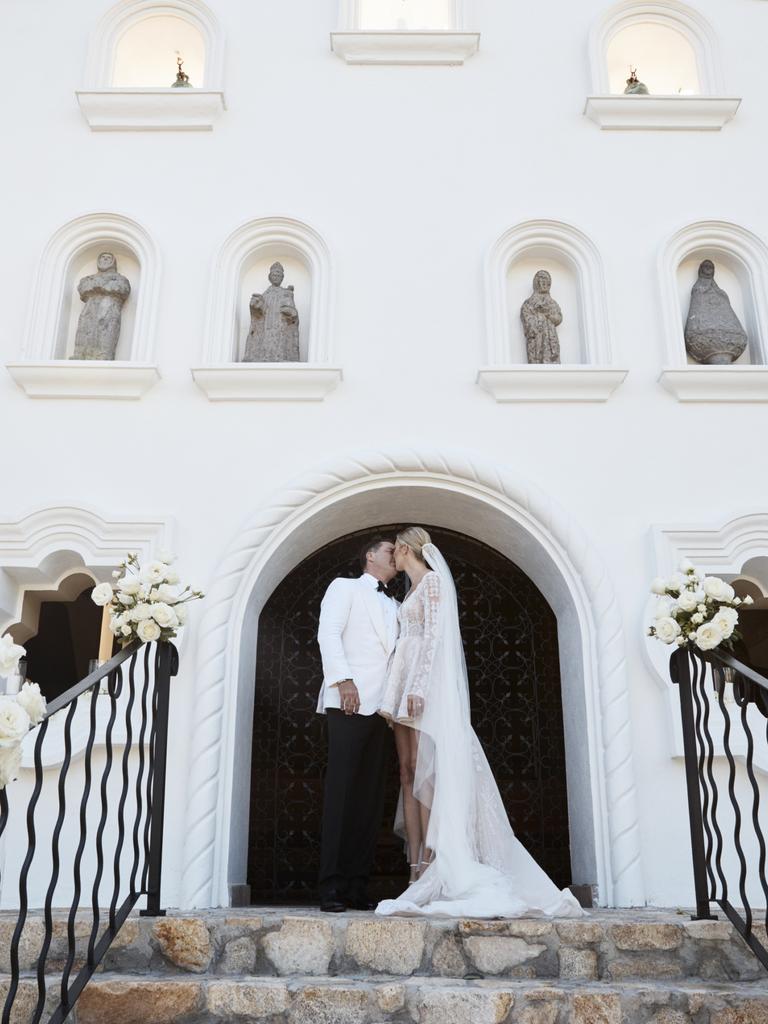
(135, 110)
(267, 382)
(550, 383)
(661, 113)
(405, 47)
(84, 378)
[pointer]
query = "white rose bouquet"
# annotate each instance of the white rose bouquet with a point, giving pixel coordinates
(19, 712)
(145, 603)
(700, 611)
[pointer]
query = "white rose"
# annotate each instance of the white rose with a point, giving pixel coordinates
(126, 630)
(154, 572)
(701, 607)
(10, 655)
(141, 612)
(667, 630)
(659, 586)
(748, 600)
(680, 641)
(686, 566)
(708, 636)
(14, 722)
(148, 630)
(687, 600)
(664, 608)
(129, 586)
(124, 598)
(10, 764)
(718, 589)
(164, 615)
(102, 594)
(726, 620)
(166, 594)
(166, 556)
(172, 577)
(116, 574)
(697, 618)
(181, 614)
(33, 702)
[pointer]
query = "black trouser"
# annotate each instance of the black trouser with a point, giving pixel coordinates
(352, 808)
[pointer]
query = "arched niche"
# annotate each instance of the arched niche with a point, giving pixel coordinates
(404, 32)
(587, 371)
(405, 15)
(132, 40)
(45, 371)
(741, 268)
(240, 269)
(662, 30)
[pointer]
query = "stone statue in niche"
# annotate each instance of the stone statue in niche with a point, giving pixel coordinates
(182, 78)
(634, 86)
(713, 332)
(104, 295)
(274, 333)
(541, 316)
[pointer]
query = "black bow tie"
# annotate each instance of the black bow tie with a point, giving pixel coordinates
(384, 588)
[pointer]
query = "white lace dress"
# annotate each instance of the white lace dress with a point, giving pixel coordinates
(415, 651)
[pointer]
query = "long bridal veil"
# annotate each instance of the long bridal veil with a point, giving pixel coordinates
(480, 869)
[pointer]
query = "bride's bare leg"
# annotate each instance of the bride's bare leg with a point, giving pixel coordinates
(423, 810)
(410, 804)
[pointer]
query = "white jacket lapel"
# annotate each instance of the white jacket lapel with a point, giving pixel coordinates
(375, 612)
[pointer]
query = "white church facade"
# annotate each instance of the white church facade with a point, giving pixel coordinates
(411, 164)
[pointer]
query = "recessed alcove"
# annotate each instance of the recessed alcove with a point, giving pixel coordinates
(741, 270)
(404, 32)
(45, 369)
(132, 66)
(675, 52)
(241, 269)
(586, 371)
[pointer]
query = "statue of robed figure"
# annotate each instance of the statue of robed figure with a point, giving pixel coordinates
(274, 333)
(713, 332)
(104, 295)
(541, 316)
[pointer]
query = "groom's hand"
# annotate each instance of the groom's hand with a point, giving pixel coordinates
(350, 698)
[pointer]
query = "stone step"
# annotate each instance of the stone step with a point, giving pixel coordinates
(605, 946)
(160, 999)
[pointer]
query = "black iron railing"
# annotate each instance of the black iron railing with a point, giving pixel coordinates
(724, 703)
(135, 685)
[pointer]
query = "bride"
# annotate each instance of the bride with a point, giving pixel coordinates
(465, 859)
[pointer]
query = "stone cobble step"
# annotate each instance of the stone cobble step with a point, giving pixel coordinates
(160, 999)
(605, 946)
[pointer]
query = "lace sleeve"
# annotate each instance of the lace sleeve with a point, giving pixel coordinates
(419, 681)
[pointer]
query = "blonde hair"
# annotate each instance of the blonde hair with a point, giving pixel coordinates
(416, 538)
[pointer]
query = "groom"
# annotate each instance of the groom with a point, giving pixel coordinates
(357, 633)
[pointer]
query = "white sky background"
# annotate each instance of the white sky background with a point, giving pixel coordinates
(405, 14)
(664, 59)
(146, 53)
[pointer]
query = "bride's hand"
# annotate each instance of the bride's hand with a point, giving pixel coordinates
(415, 705)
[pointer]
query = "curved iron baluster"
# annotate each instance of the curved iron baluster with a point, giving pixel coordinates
(48, 915)
(720, 842)
(150, 776)
(698, 690)
(23, 896)
(140, 773)
(124, 791)
(80, 848)
(734, 802)
(743, 698)
(112, 689)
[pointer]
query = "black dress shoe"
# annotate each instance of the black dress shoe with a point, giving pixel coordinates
(332, 904)
(362, 903)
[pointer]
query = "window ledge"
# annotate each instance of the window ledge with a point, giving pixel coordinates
(661, 113)
(550, 383)
(717, 383)
(437, 47)
(84, 378)
(137, 110)
(267, 382)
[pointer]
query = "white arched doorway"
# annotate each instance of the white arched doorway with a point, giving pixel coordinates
(454, 490)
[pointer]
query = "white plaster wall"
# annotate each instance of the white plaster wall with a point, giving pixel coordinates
(409, 174)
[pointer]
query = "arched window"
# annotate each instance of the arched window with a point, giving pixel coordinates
(132, 67)
(404, 32)
(674, 52)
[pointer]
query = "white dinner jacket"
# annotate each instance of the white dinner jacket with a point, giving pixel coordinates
(356, 641)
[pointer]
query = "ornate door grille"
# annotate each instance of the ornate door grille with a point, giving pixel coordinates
(510, 640)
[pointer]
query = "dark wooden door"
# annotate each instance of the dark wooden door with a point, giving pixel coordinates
(510, 641)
